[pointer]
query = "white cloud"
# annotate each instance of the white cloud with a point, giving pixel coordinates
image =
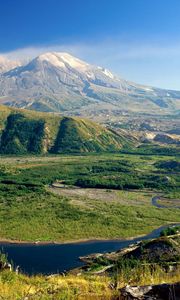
(110, 49)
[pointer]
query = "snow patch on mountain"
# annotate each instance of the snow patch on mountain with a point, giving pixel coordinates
(57, 81)
(62, 60)
(53, 59)
(73, 61)
(108, 73)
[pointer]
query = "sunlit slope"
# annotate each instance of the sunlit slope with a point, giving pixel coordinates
(25, 131)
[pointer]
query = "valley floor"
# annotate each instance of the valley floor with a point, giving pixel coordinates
(103, 208)
(101, 196)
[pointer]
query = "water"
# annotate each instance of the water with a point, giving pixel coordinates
(55, 258)
(155, 203)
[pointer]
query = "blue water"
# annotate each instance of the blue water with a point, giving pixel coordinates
(55, 258)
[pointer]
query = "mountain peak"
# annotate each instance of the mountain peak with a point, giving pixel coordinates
(52, 58)
(63, 59)
(58, 81)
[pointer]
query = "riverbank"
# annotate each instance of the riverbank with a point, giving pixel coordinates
(51, 258)
(80, 241)
(161, 202)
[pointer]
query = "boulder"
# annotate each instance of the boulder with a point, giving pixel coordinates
(151, 292)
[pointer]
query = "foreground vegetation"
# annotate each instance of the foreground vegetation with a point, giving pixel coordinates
(18, 286)
(76, 197)
(145, 263)
(31, 211)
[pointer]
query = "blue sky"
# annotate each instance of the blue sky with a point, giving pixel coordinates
(137, 39)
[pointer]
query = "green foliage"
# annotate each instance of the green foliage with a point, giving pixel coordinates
(77, 135)
(29, 211)
(7, 276)
(171, 165)
(22, 135)
(33, 213)
(151, 149)
(3, 258)
(31, 132)
(170, 231)
(120, 183)
(127, 264)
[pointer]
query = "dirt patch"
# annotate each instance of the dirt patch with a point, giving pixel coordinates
(79, 195)
(169, 203)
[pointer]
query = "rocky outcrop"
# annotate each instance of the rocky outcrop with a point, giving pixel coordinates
(151, 292)
(164, 250)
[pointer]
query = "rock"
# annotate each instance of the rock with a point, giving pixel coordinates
(151, 292)
(135, 291)
(5, 266)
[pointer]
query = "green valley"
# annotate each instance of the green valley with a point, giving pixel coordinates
(106, 179)
(120, 186)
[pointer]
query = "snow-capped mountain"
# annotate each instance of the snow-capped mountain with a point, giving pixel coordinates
(60, 82)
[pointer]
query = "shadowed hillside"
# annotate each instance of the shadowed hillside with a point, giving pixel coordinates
(30, 132)
(78, 135)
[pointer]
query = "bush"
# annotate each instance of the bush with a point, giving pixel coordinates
(170, 231)
(22, 135)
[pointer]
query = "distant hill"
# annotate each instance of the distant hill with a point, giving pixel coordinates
(59, 82)
(24, 131)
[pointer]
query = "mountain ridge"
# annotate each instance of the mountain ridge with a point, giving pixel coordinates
(23, 131)
(59, 82)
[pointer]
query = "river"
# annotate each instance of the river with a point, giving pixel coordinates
(55, 258)
(155, 203)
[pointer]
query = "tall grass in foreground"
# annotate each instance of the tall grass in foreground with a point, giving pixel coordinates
(147, 275)
(18, 286)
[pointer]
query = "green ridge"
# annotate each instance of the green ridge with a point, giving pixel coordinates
(25, 131)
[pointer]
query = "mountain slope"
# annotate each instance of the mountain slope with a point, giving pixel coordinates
(31, 132)
(59, 82)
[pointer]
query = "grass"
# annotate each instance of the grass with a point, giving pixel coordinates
(29, 211)
(46, 217)
(18, 286)
(144, 275)
(169, 202)
(14, 287)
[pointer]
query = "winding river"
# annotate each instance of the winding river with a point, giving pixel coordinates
(55, 258)
(155, 203)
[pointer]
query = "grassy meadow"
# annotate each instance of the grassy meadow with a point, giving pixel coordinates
(31, 210)
(19, 286)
